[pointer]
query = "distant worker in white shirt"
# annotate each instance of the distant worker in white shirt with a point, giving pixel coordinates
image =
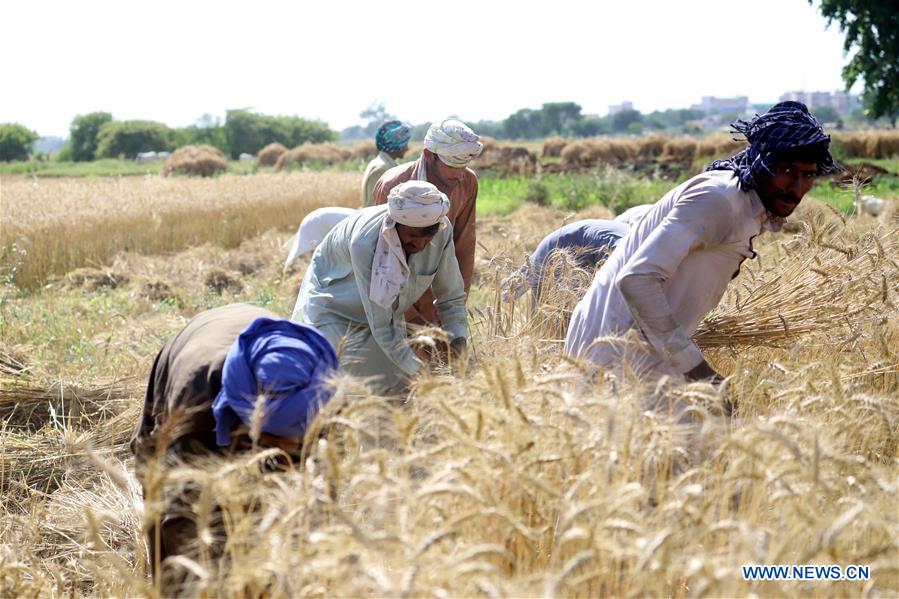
(674, 265)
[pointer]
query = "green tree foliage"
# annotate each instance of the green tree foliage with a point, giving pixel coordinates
(248, 132)
(871, 27)
(129, 138)
(207, 130)
(524, 124)
(83, 134)
(559, 118)
(622, 121)
(15, 142)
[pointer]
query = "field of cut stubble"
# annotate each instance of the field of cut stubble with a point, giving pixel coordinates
(522, 478)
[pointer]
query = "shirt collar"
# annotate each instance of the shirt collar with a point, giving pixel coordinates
(387, 158)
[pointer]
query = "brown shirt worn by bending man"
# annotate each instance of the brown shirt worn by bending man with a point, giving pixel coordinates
(177, 413)
(462, 191)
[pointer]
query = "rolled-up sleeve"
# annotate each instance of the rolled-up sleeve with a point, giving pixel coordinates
(449, 289)
(699, 219)
(387, 332)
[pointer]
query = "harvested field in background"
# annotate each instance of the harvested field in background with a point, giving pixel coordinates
(63, 224)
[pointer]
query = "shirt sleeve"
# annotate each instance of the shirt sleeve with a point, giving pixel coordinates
(699, 219)
(449, 290)
(387, 331)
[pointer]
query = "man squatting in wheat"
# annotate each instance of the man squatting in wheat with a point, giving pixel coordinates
(370, 269)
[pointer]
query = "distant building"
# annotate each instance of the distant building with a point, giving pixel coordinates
(713, 105)
(616, 108)
(840, 101)
(721, 111)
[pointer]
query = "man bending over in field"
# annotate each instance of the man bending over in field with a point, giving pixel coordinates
(591, 241)
(370, 269)
(449, 146)
(200, 402)
(392, 140)
(674, 265)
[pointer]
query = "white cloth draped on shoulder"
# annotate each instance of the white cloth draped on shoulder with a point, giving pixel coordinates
(415, 204)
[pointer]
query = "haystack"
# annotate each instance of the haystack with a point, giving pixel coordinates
(324, 154)
(202, 160)
(268, 156)
(365, 150)
(507, 159)
(553, 146)
(680, 150)
(718, 145)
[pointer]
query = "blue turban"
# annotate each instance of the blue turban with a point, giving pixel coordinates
(288, 363)
(393, 136)
(786, 126)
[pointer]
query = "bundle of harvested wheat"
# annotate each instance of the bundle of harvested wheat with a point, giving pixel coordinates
(364, 150)
(821, 285)
(202, 160)
(553, 146)
(325, 154)
(680, 150)
(268, 156)
(718, 145)
(30, 403)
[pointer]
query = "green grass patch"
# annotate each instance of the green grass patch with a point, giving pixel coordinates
(612, 188)
(843, 197)
(888, 164)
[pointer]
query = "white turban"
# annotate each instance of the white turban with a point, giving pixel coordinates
(414, 204)
(454, 142)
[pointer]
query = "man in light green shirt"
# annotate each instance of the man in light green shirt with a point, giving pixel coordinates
(370, 269)
(392, 140)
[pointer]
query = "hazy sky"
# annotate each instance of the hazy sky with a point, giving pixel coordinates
(329, 59)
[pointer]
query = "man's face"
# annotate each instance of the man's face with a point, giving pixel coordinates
(445, 171)
(414, 239)
(789, 184)
(287, 444)
(397, 154)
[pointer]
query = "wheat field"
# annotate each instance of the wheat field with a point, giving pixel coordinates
(524, 477)
(65, 223)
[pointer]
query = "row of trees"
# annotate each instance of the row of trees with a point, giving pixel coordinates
(98, 135)
(566, 119)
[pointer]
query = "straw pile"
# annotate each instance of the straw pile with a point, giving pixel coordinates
(323, 154)
(553, 146)
(202, 160)
(680, 150)
(364, 150)
(876, 144)
(506, 159)
(600, 150)
(268, 156)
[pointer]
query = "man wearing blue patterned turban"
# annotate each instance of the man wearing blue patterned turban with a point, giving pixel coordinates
(392, 140)
(234, 378)
(676, 262)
